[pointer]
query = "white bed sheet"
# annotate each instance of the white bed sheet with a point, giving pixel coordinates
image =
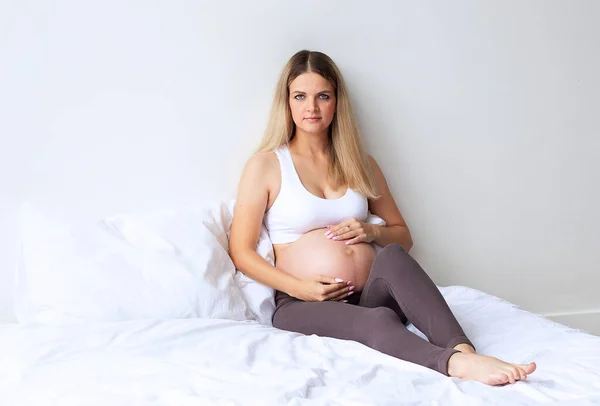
(221, 362)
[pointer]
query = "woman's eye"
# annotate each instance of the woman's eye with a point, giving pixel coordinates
(321, 96)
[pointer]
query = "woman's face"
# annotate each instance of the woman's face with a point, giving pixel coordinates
(312, 102)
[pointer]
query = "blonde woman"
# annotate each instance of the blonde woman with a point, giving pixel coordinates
(312, 184)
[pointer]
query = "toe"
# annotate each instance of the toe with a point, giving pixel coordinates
(529, 368)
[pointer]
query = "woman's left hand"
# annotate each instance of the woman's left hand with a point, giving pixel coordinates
(352, 231)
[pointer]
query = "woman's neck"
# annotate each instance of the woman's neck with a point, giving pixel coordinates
(310, 144)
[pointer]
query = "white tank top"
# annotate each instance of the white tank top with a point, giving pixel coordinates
(297, 211)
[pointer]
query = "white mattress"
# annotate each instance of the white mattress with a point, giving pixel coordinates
(221, 362)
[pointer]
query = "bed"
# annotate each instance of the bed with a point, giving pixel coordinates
(228, 362)
(62, 355)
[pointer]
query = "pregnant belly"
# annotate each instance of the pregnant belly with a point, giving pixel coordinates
(314, 254)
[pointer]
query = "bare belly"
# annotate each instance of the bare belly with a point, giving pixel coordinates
(314, 254)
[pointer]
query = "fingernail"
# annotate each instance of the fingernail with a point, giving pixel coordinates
(345, 301)
(336, 237)
(350, 293)
(329, 236)
(328, 232)
(349, 282)
(339, 280)
(347, 242)
(351, 287)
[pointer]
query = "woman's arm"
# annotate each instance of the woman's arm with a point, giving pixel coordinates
(396, 230)
(251, 203)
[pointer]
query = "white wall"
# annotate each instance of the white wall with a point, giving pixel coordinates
(483, 116)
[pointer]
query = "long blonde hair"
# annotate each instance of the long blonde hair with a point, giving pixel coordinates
(348, 160)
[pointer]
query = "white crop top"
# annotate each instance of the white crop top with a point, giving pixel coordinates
(297, 211)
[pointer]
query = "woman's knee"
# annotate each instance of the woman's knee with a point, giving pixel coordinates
(390, 260)
(394, 249)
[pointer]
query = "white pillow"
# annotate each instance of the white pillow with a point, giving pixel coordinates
(156, 230)
(166, 264)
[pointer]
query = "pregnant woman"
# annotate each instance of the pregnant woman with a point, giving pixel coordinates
(313, 184)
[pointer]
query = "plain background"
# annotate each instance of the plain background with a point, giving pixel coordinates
(482, 114)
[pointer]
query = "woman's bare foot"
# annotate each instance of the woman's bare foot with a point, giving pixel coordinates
(466, 348)
(488, 370)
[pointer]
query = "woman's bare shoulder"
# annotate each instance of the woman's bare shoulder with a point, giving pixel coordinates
(262, 162)
(261, 170)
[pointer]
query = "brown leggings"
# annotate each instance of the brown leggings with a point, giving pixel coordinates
(397, 291)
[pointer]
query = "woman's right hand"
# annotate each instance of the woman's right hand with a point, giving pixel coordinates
(321, 288)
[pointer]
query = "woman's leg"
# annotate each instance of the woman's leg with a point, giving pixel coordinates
(397, 281)
(378, 328)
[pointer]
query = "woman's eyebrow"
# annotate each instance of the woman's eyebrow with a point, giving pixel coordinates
(322, 91)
